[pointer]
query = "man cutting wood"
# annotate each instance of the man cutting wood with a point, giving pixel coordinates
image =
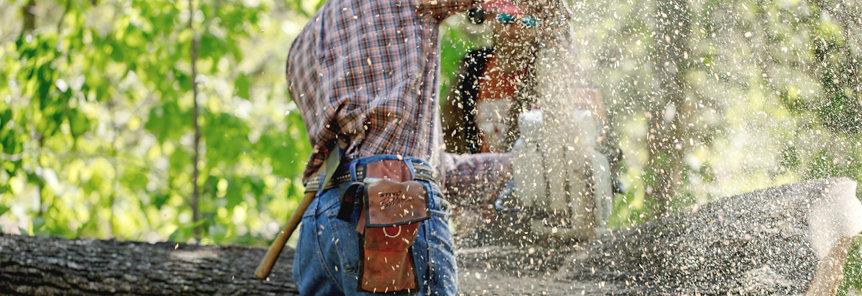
(365, 75)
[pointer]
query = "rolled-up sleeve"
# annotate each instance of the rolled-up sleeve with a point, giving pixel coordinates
(442, 9)
(475, 179)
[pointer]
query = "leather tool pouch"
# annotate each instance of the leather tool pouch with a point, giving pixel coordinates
(393, 206)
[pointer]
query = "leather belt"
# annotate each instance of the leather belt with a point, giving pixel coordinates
(342, 175)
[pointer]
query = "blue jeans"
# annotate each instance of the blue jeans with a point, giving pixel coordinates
(327, 255)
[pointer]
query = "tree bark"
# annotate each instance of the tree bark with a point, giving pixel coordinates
(49, 266)
(786, 240)
(29, 17)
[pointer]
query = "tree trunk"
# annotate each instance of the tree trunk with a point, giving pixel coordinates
(667, 118)
(29, 17)
(787, 240)
(196, 145)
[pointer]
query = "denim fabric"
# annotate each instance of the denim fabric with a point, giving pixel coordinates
(327, 255)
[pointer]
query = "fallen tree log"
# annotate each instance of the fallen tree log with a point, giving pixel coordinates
(787, 240)
(50, 266)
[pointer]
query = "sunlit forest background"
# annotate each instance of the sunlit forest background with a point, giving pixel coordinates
(98, 121)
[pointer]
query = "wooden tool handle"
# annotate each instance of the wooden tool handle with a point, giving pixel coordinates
(274, 251)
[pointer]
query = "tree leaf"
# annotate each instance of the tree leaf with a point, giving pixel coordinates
(242, 86)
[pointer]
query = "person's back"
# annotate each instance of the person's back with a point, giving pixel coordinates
(364, 73)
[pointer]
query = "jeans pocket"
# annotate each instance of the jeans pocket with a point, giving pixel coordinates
(346, 241)
(434, 256)
(438, 207)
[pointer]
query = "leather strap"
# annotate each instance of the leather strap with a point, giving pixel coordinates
(349, 199)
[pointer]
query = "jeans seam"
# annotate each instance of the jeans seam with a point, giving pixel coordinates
(296, 268)
(318, 250)
(339, 250)
(429, 274)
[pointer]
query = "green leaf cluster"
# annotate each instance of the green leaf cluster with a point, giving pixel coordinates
(96, 119)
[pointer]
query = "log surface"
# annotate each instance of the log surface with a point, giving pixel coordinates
(791, 239)
(49, 266)
(788, 240)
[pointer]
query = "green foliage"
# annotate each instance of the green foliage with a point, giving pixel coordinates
(96, 121)
(305, 7)
(455, 43)
(853, 269)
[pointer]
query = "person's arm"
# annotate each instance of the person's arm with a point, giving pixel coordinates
(460, 133)
(475, 179)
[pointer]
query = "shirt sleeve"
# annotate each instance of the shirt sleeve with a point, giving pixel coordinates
(442, 9)
(475, 179)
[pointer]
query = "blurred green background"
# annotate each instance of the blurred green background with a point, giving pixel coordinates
(708, 99)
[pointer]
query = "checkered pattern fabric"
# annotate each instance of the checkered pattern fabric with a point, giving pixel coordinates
(365, 75)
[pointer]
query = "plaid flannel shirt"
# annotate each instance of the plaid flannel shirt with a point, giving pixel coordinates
(364, 74)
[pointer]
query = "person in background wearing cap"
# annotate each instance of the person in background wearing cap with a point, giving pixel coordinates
(480, 114)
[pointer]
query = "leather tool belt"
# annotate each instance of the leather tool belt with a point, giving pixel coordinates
(341, 175)
(391, 204)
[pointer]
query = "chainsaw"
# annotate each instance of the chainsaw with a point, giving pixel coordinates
(561, 179)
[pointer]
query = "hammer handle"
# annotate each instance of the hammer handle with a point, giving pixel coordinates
(265, 266)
